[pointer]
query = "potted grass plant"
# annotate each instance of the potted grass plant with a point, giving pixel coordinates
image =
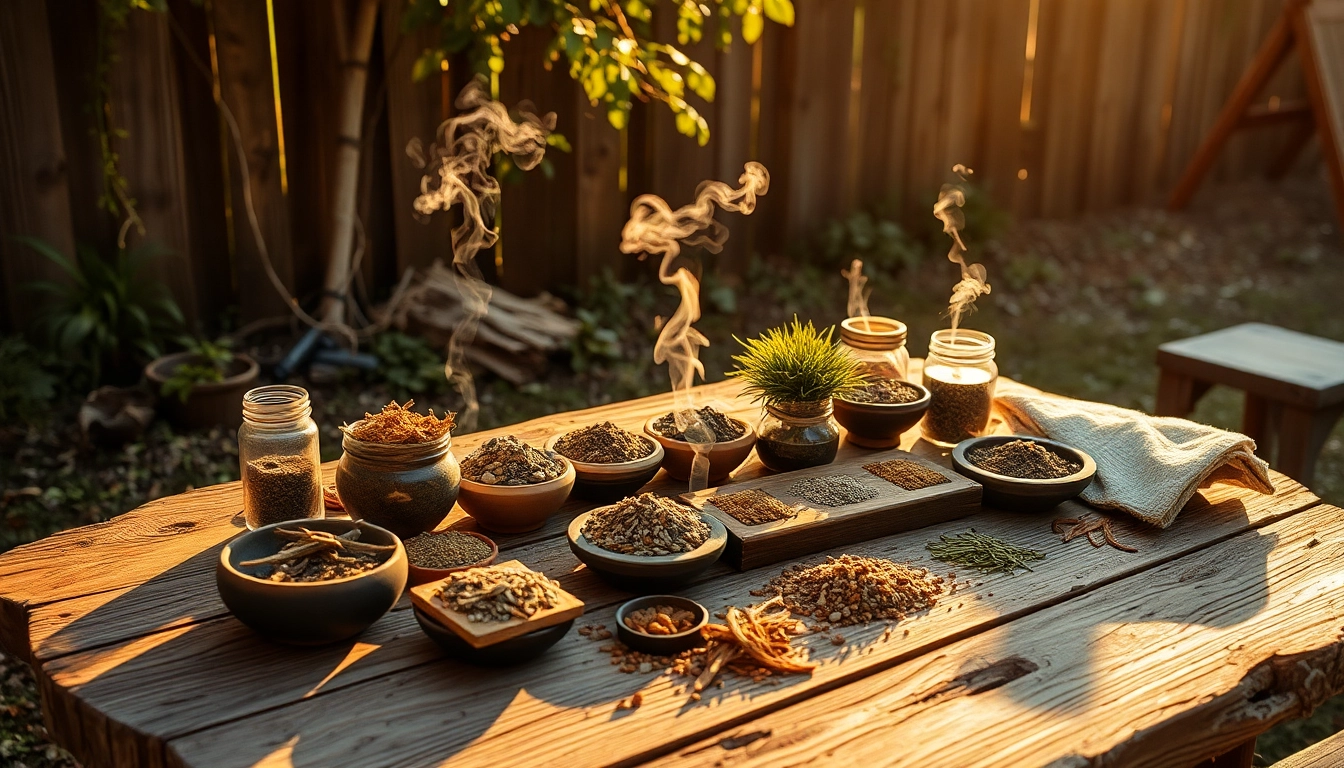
(794, 371)
(204, 385)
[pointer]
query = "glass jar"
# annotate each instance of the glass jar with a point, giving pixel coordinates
(878, 343)
(278, 457)
(797, 435)
(407, 488)
(960, 375)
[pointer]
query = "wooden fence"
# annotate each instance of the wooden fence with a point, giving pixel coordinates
(1060, 106)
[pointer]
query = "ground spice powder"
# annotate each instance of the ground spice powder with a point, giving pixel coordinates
(603, 443)
(450, 549)
(832, 490)
(1026, 459)
(906, 474)
(279, 488)
(753, 507)
(724, 428)
(885, 392)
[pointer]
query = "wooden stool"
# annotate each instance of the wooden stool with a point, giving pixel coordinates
(1294, 385)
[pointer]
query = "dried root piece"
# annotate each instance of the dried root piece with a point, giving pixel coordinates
(1069, 528)
(305, 543)
(498, 593)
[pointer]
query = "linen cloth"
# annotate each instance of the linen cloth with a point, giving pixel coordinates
(1148, 466)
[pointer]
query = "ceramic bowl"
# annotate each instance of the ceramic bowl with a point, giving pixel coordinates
(420, 575)
(652, 573)
(1020, 494)
(609, 482)
(723, 457)
(661, 645)
(308, 613)
(515, 650)
(880, 425)
(515, 508)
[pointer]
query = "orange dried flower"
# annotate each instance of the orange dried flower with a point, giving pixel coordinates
(399, 425)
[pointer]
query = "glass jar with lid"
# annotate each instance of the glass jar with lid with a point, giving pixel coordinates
(878, 343)
(960, 375)
(797, 435)
(278, 456)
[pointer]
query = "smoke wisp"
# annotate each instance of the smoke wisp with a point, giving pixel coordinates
(973, 276)
(457, 172)
(655, 228)
(858, 293)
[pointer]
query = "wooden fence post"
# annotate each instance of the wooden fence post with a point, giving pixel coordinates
(32, 155)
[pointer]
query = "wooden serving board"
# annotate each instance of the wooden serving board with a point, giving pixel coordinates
(816, 528)
(484, 633)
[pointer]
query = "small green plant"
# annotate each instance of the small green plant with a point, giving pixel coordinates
(408, 364)
(109, 311)
(796, 364)
(210, 361)
(26, 388)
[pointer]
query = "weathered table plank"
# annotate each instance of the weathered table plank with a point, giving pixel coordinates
(570, 694)
(1214, 648)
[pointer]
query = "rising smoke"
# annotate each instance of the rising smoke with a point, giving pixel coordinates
(858, 293)
(654, 228)
(457, 172)
(972, 284)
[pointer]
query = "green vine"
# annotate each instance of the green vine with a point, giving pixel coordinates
(115, 197)
(608, 45)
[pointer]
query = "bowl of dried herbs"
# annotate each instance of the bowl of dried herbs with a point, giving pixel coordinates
(510, 487)
(312, 582)
(733, 440)
(1024, 473)
(609, 462)
(647, 543)
(435, 554)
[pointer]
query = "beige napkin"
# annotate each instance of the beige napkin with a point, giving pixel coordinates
(1148, 466)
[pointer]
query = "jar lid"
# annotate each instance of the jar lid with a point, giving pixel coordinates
(872, 332)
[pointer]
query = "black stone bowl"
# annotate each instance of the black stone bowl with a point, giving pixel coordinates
(308, 613)
(505, 653)
(1018, 494)
(652, 573)
(661, 645)
(879, 425)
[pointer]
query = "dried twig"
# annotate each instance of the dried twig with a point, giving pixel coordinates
(1070, 528)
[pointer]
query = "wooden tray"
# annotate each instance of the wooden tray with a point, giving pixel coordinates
(817, 528)
(480, 634)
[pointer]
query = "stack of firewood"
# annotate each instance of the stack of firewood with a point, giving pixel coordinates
(514, 338)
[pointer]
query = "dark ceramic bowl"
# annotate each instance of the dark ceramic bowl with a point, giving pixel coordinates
(661, 645)
(880, 425)
(505, 653)
(723, 457)
(420, 575)
(1019, 494)
(312, 613)
(652, 573)
(610, 482)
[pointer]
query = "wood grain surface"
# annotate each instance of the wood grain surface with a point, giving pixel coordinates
(140, 664)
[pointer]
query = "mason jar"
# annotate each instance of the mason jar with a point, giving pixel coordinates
(407, 488)
(278, 457)
(960, 375)
(797, 435)
(878, 343)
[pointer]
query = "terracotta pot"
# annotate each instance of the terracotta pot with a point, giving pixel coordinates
(420, 575)
(723, 457)
(213, 404)
(515, 508)
(611, 482)
(880, 425)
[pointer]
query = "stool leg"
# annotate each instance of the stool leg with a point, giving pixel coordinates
(1178, 393)
(1301, 436)
(1257, 425)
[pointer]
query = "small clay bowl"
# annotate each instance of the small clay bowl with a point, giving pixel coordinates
(308, 613)
(661, 645)
(1021, 494)
(505, 653)
(723, 457)
(609, 482)
(879, 425)
(651, 573)
(515, 508)
(419, 575)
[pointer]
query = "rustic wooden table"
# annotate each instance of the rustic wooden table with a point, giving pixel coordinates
(1219, 627)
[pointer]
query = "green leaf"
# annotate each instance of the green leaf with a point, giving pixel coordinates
(50, 253)
(752, 25)
(427, 64)
(779, 11)
(617, 117)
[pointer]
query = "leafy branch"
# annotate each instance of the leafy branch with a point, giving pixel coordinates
(608, 45)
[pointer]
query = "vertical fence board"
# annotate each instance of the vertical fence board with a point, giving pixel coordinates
(32, 158)
(603, 207)
(540, 214)
(889, 33)
(1067, 56)
(818, 112)
(144, 90)
(245, 84)
(774, 137)
(1001, 140)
